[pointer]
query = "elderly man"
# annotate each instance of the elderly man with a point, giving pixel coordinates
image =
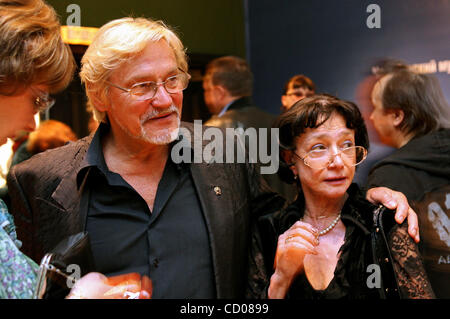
(184, 225)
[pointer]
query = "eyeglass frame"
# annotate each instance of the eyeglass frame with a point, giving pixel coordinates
(158, 84)
(42, 97)
(333, 156)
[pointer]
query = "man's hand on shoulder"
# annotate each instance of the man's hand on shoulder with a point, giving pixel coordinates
(396, 201)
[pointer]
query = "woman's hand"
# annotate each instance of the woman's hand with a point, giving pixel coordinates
(293, 245)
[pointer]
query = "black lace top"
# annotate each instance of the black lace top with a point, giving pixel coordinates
(351, 274)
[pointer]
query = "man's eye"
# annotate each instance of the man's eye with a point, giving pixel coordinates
(318, 147)
(147, 85)
(172, 82)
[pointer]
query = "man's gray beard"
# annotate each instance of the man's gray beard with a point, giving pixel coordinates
(167, 136)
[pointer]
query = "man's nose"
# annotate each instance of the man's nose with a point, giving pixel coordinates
(162, 98)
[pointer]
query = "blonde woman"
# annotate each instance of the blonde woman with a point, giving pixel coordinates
(34, 62)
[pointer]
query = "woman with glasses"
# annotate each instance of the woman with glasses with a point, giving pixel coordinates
(34, 62)
(325, 245)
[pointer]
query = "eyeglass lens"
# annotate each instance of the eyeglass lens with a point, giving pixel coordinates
(350, 155)
(147, 90)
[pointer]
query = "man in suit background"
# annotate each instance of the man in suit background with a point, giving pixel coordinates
(228, 89)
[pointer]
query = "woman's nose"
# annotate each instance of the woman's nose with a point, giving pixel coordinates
(336, 160)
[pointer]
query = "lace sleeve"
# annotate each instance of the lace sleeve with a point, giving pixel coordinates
(258, 278)
(412, 278)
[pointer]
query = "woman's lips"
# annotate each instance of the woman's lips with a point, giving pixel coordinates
(336, 180)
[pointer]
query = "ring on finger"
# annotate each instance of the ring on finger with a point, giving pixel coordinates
(288, 238)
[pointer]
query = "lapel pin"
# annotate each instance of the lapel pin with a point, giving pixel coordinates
(217, 190)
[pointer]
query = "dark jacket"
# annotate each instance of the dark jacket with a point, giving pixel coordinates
(243, 114)
(366, 243)
(45, 202)
(416, 168)
(421, 170)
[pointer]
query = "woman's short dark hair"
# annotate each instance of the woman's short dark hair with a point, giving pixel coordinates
(420, 98)
(312, 112)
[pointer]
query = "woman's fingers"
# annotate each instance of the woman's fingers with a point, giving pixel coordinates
(304, 231)
(306, 226)
(300, 244)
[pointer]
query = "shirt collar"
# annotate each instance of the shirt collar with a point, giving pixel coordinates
(95, 158)
(224, 109)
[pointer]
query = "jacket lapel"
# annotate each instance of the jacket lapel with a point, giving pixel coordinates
(212, 185)
(219, 217)
(67, 194)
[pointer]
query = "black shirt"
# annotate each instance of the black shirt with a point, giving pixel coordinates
(169, 244)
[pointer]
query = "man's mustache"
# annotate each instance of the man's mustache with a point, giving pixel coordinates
(158, 113)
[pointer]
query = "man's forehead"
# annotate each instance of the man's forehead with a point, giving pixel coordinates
(157, 59)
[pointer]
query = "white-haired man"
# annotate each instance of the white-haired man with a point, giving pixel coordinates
(184, 225)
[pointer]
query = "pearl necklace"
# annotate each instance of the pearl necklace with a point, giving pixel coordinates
(331, 226)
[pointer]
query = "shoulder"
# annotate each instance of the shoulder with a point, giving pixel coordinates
(53, 160)
(387, 174)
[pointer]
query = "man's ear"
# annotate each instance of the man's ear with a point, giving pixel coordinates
(397, 117)
(221, 91)
(98, 98)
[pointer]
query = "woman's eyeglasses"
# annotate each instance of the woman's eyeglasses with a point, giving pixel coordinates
(352, 155)
(43, 101)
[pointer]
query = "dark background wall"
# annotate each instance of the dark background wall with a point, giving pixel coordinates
(208, 27)
(330, 42)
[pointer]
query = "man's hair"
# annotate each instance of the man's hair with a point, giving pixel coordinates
(299, 81)
(31, 48)
(117, 42)
(233, 73)
(312, 112)
(420, 98)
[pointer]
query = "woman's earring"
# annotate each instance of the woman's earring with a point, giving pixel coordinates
(295, 177)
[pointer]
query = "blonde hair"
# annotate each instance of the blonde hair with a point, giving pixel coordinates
(32, 50)
(117, 42)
